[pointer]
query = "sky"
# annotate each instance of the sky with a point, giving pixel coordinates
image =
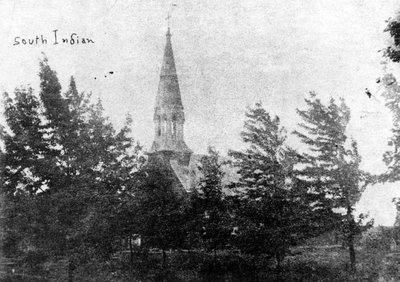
(229, 55)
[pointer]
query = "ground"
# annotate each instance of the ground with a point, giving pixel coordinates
(310, 263)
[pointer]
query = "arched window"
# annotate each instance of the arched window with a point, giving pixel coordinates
(165, 124)
(158, 125)
(174, 125)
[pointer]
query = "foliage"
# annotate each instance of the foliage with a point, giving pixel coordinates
(315, 264)
(160, 209)
(391, 157)
(393, 52)
(64, 169)
(274, 211)
(391, 94)
(209, 223)
(378, 238)
(331, 166)
(74, 186)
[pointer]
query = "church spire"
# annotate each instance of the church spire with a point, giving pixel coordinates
(169, 94)
(168, 111)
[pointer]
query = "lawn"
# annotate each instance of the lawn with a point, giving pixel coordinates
(323, 263)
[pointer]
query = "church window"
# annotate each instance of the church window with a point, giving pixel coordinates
(174, 125)
(165, 124)
(158, 125)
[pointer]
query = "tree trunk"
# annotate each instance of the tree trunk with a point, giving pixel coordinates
(350, 239)
(131, 249)
(131, 253)
(352, 253)
(214, 259)
(255, 270)
(164, 256)
(71, 268)
(279, 258)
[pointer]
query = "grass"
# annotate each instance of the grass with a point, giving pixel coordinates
(306, 264)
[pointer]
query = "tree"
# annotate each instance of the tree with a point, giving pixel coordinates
(23, 162)
(64, 169)
(391, 95)
(330, 165)
(273, 211)
(210, 222)
(160, 209)
(393, 51)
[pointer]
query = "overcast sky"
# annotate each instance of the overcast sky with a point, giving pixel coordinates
(229, 55)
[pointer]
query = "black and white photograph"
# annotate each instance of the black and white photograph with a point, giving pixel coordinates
(199, 140)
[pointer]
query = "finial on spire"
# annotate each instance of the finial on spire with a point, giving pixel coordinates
(168, 18)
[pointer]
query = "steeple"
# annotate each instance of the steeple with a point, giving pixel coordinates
(168, 111)
(168, 89)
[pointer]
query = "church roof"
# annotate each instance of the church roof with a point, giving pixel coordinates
(168, 145)
(168, 95)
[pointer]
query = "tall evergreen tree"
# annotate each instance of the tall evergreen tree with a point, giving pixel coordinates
(210, 222)
(160, 209)
(330, 165)
(274, 211)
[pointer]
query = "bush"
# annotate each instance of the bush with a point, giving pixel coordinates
(379, 238)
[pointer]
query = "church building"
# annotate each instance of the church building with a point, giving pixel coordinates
(169, 148)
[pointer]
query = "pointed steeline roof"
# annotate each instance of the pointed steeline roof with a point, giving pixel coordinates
(169, 95)
(169, 116)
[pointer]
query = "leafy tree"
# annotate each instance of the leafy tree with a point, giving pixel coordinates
(330, 166)
(273, 211)
(391, 94)
(393, 51)
(23, 157)
(64, 169)
(391, 157)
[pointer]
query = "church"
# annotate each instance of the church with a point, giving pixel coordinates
(169, 148)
